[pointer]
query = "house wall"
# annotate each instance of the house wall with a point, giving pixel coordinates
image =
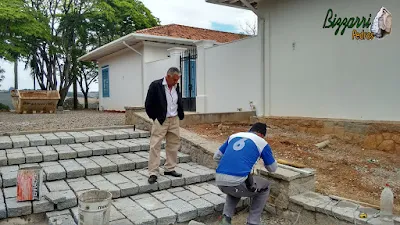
(232, 76)
(124, 79)
(315, 73)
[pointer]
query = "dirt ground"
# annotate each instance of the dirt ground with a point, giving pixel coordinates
(342, 169)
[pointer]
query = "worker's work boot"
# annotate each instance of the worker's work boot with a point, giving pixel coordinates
(226, 220)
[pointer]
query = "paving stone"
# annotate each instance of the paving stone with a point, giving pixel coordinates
(150, 203)
(5, 142)
(81, 150)
(95, 178)
(184, 210)
(93, 136)
(81, 185)
(48, 152)
(62, 220)
(3, 158)
(65, 152)
(184, 158)
(186, 195)
(108, 186)
(51, 139)
(197, 190)
(3, 211)
(132, 133)
(96, 149)
(116, 178)
(58, 213)
(16, 157)
(190, 178)
(162, 181)
(133, 147)
(128, 189)
(75, 213)
(110, 150)
(173, 190)
(9, 177)
(143, 133)
(107, 136)
(71, 200)
(10, 192)
(144, 143)
(122, 162)
(91, 167)
(106, 164)
(36, 140)
(176, 181)
(43, 205)
(20, 141)
(205, 175)
(120, 147)
(79, 137)
(115, 214)
(121, 222)
(59, 185)
(73, 168)
(164, 216)
(15, 209)
(144, 154)
(141, 181)
(140, 196)
(65, 138)
(119, 135)
(139, 161)
(32, 155)
(217, 201)
(54, 172)
(211, 188)
(138, 215)
(203, 207)
(55, 197)
(164, 196)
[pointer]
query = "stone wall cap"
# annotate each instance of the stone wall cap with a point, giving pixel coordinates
(134, 108)
(280, 173)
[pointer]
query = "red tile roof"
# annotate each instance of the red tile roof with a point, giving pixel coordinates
(193, 33)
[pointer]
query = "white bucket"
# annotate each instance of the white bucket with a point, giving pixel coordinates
(94, 207)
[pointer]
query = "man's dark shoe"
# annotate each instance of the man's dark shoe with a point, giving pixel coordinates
(226, 220)
(152, 179)
(173, 173)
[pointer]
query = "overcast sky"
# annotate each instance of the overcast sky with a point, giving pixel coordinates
(195, 13)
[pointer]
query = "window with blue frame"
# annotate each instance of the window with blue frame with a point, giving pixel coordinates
(105, 81)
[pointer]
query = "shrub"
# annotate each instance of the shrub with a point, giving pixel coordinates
(4, 107)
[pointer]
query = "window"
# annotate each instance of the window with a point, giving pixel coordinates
(105, 81)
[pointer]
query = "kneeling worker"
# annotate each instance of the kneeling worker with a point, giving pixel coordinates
(236, 158)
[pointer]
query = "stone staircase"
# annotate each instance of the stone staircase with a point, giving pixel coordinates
(110, 159)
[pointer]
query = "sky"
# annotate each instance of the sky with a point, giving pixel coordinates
(197, 13)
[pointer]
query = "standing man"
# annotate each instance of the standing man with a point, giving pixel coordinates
(164, 107)
(236, 158)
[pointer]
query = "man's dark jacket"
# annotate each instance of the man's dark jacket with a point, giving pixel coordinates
(156, 102)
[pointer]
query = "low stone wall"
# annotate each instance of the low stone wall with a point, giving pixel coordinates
(381, 135)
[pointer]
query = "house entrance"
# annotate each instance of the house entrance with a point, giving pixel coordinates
(188, 81)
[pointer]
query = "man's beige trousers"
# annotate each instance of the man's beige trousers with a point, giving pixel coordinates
(170, 130)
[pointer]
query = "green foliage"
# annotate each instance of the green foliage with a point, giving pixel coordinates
(4, 107)
(1, 75)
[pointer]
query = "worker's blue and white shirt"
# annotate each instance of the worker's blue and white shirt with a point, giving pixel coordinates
(238, 155)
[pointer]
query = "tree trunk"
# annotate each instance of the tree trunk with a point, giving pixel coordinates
(75, 87)
(86, 100)
(16, 74)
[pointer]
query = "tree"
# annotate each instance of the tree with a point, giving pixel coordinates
(249, 28)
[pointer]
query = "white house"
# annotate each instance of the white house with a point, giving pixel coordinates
(129, 64)
(310, 59)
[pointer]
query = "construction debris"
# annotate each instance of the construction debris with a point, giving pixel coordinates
(322, 144)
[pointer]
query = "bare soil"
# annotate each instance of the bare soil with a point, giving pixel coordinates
(342, 169)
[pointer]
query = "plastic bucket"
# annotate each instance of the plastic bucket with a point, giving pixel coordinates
(94, 207)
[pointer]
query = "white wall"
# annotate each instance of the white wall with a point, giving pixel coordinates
(157, 70)
(232, 76)
(125, 80)
(329, 75)
(154, 52)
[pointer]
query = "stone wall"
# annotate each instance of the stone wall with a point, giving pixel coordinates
(381, 135)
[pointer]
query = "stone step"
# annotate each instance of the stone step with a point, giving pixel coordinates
(38, 154)
(62, 194)
(86, 166)
(169, 206)
(71, 137)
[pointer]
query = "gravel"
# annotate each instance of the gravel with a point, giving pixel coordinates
(13, 122)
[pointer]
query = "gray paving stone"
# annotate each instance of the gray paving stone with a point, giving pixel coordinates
(75, 213)
(9, 178)
(138, 215)
(144, 154)
(15, 158)
(184, 158)
(55, 197)
(186, 195)
(115, 214)
(139, 161)
(106, 165)
(93, 136)
(197, 190)
(216, 200)
(5, 142)
(15, 209)
(71, 200)
(54, 172)
(190, 178)
(140, 196)
(211, 188)
(107, 136)
(116, 178)
(73, 168)
(10, 192)
(162, 181)
(120, 147)
(33, 156)
(51, 139)
(141, 181)
(42, 206)
(36, 140)
(144, 143)
(119, 135)
(128, 189)
(65, 138)
(81, 185)
(204, 208)
(110, 150)
(132, 133)
(3, 210)
(96, 149)
(3, 158)
(133, 147)
(65, 152)
(79, 137)
(58, 213)
(176, 181)
(108, 186)
(184, 210)
(121, 222)
(164, 216)
(122, 162)
(48, 152)
(91, 167)
(123, 203)
(95, 178)
(205, 175)
(20, 141)
(62, 220)
(177, 189)
(81, 150)
(164, 196)
(59, 185)
(150, 203)
(143, 133)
